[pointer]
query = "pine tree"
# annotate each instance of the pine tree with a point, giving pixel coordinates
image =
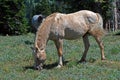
(12, 17)
(43, 7)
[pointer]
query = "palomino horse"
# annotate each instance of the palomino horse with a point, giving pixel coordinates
(59, 26)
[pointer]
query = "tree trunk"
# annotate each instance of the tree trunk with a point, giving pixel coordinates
(115, 16)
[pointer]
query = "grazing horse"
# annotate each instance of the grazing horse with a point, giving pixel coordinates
(58, 26)
(36, 20)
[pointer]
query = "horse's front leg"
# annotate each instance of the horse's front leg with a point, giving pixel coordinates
(59, 46)
(86, 44)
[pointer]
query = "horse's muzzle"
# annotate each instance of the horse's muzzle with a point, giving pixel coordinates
(39, 64)
(39, 67)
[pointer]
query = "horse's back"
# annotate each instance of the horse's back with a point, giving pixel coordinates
(73, 25)
(68, 26)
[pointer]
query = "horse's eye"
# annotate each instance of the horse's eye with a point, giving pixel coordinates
(42, 49)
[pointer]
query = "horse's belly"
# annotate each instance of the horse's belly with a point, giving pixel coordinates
(73, 34)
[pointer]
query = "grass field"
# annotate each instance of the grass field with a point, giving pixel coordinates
(16, 60)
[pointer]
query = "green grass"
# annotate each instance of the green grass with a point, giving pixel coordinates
(16, 60)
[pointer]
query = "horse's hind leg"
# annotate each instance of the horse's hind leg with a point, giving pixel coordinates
(100, 43)
(59, 46)
(86, 44)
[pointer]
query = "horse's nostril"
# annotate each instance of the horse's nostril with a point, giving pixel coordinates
(39, 67)
(37, 59)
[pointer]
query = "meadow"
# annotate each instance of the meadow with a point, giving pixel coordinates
(16, 60)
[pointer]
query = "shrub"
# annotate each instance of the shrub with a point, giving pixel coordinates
(12, 17)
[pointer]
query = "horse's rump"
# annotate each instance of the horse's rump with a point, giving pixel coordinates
(96, 29)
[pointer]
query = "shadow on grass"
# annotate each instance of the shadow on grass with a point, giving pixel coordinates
(28, 67)
(46, 66)
(117, 34)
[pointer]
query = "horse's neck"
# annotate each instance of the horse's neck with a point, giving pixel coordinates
(42, 37)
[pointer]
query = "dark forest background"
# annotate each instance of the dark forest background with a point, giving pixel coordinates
(15, 15)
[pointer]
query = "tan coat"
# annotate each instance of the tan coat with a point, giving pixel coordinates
(60, 26)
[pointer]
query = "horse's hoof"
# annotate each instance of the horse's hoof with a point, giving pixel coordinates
(103, 59)
(59, 66)
(82, 61)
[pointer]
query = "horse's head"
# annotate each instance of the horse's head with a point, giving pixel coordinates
(39, 57)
